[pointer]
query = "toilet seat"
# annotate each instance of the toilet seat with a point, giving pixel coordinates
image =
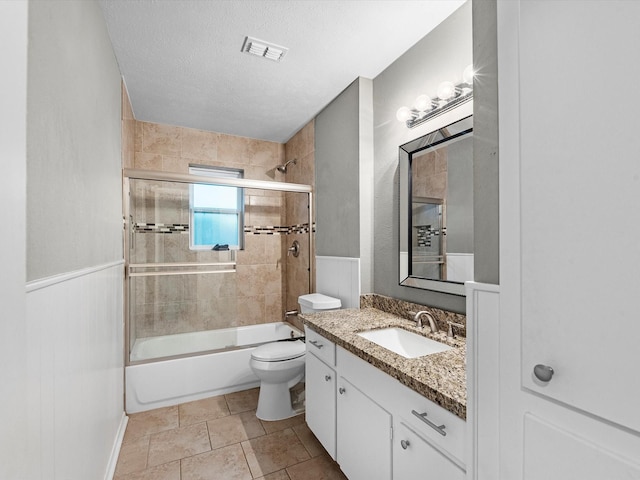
(279, 351)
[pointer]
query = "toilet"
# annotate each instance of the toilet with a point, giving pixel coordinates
(280, 365)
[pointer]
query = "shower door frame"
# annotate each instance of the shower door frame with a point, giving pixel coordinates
(153, 175)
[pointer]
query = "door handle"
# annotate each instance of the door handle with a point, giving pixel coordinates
(544, 373)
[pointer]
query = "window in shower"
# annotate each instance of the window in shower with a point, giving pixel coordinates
(216, 212)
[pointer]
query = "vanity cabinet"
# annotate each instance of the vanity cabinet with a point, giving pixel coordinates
(366, 417)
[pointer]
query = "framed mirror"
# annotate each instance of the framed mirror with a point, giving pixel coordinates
(436, 209)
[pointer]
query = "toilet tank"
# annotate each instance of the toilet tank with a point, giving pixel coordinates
(317, 302)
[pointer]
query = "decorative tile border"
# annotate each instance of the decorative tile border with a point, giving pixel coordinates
(275, 230)
(424, 235)
(161, 228)
(248, 229)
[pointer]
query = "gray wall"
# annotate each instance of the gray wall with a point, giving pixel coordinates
(485, 144)
(74, 213)
(442, 54)
(337, 176)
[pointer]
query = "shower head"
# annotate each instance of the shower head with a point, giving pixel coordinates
(283, 168)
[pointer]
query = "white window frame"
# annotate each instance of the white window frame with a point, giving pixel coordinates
(220, 172)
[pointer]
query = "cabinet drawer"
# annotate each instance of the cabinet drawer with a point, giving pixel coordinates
(320, 347)
(424, 417)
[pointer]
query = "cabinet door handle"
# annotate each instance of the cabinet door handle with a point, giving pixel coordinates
(327, 378)
(543, 372)
(437, 428)
(341, 390)
(405, 444)
(316, 344)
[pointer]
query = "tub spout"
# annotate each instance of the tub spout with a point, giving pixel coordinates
(290, 313)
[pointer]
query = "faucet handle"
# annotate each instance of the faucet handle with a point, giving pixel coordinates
(451, 325)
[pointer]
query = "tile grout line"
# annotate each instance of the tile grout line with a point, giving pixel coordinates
(244, 454)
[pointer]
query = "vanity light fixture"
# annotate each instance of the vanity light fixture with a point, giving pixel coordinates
(450, 95)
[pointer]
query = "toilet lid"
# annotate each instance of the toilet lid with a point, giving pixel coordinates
(278, 351)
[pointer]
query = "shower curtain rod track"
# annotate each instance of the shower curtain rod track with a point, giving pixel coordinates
(232, 182)
(181, 272)
(187, 264)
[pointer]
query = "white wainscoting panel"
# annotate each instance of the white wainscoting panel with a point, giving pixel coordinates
(459, 267)
(339, 277)
(75, 370)
(483, 320)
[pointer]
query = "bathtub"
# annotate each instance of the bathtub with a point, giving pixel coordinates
(222, 367)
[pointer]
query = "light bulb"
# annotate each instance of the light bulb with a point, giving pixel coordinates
(446, 90)
(468, 74)
(403, 114)
(423, 103)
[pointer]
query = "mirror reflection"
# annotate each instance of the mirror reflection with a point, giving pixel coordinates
(436, 209)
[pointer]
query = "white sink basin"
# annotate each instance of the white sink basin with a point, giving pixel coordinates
(403, 342)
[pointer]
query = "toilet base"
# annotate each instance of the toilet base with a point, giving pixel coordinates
(274, 402)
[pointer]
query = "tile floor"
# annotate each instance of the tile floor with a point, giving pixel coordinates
(220, 438)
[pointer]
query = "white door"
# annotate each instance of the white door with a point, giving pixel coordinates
(320, 408)
(364, 435)
(570, 240)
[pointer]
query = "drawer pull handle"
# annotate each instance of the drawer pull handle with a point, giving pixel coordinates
(341, 390)
(316, 344)
(405, 444)
(327, 378)
(437, 428)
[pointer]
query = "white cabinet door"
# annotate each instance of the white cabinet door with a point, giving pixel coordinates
(569, 228)
(364, 435)
(321, 402)
(414, 458)
(579, 206)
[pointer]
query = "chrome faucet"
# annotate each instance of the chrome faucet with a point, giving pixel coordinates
(290, 313)
(417, 317)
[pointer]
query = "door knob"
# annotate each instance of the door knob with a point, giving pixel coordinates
(543, 372)
(341, 390)
(327, 378)
(405, 444)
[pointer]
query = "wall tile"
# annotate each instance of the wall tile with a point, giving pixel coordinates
(138, 137)
(174, 164)
(251, 310)
(199, 145)
(163, 139)
(148, 161)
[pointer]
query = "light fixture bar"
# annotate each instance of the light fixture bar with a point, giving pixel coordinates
(443, 107)
(450, 96)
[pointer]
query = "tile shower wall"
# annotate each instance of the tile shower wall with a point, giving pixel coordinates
(256, 293)
(301, 147)
(429, 179)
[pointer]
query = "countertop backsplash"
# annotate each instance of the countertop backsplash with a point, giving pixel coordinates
(402, 308)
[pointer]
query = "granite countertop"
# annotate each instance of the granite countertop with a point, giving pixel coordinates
(440, 377)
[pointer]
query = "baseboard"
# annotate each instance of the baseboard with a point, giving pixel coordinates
(115, 451)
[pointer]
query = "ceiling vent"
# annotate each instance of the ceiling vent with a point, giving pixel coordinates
(264, 49)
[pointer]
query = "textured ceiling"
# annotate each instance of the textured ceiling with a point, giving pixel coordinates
(182, 61)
